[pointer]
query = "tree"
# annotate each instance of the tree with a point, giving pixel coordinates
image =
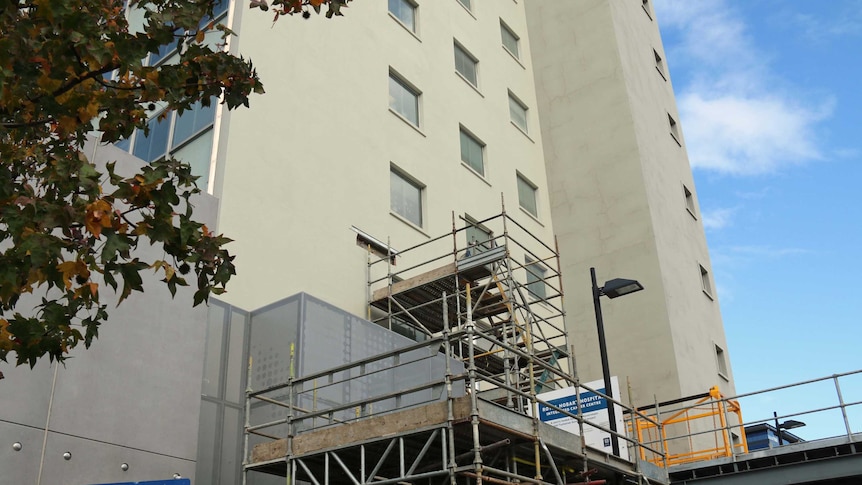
(72, 68)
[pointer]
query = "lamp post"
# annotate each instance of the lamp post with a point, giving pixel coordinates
(789, 424)
(612, 289)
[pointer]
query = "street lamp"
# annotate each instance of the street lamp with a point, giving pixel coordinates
(789, 424)
(612, 289)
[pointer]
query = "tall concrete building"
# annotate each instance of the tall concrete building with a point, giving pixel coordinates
(402, 123)
(623, 197)
(563, 107)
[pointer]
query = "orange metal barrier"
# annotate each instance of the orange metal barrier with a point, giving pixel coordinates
(713, 407)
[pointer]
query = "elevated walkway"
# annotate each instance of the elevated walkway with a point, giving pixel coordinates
(834, 461)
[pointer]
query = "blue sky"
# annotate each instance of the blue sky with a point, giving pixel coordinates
(770, 101)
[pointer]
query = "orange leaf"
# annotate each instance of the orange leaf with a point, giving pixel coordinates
(69, 269)
(98, 216)
(6, 338)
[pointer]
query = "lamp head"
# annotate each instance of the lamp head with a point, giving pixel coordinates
(620, 287)
(791, 423)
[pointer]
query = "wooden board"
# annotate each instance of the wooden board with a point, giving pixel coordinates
(375, 427)
(416, 281)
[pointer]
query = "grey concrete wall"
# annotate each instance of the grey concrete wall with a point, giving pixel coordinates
(133, 397)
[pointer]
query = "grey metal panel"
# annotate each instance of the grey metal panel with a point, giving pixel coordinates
(19, 466)
(140, 383)
(28, 404)
(324, 337)
(94, 462)
(138, 386)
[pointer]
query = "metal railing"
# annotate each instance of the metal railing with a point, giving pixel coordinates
(820, 402)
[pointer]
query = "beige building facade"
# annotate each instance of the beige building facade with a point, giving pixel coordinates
(394, 120)
(623, 198)
(563, 111)
(397, 126)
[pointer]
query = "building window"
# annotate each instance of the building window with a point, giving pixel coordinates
(468, 4)
(479, 237)
(219, 11)
(659, 65)
(536, 274)
(689, 201)
(186, 137)
(466, 65)
(164, 51)
(153, 145)
(406, 196)
(674, 129)
(706, 284)
(646, 8)
(405, 12)
(472, 152)
(404, 99)
(510, 41)
(527, 195)
(721, 362)
(517, 112)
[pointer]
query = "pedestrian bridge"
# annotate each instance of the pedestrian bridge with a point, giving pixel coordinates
(836, 461)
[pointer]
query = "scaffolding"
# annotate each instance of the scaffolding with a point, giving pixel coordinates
(487, 298)
(510, 287)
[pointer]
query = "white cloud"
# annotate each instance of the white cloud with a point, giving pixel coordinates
(766, 251)
(754, 194)
(717, 219)
(847, 23)
(737, 118)
(745, 134)
(728, 257)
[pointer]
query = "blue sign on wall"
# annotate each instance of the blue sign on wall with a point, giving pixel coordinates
(172, 481)
(589, 402)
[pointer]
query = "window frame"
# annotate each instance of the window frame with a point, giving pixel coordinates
(395, 171)
(536, 280)
(659, 65)
(721, 362)
(411, 89)
(526, 112)
(472, 225)
(674, 129)
(504, 28)
(473, 62)
(534, 192)
(464, 133)
(220, 11)
(171, 146)
(646, 6)
(689, 201)
(414, 10)
(467, 4)
(706, 282)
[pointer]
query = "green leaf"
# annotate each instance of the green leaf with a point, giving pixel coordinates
(115, 243)
(131, 273)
